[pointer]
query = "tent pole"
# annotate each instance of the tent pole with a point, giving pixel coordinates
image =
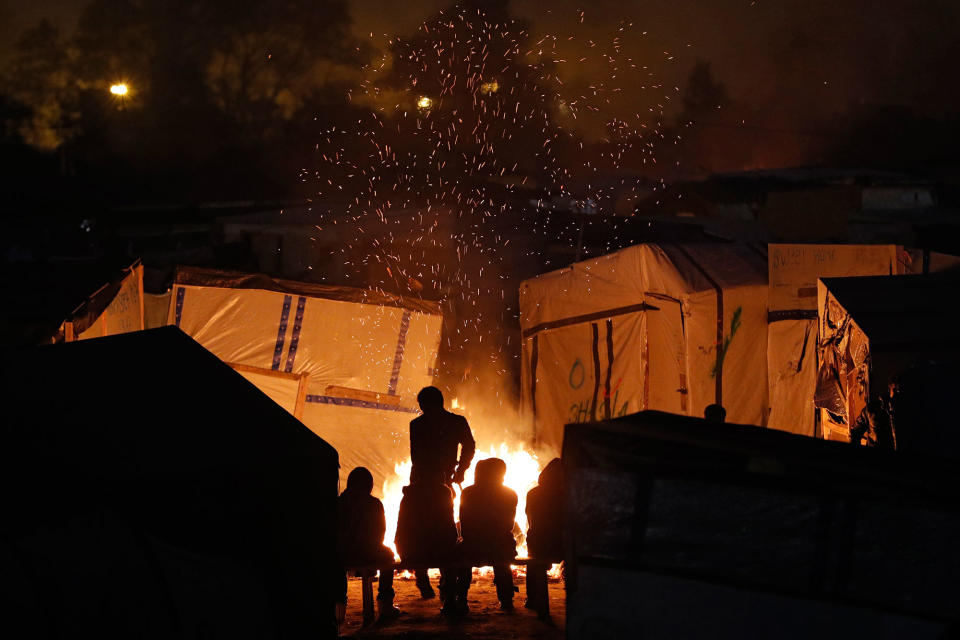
(143, 319)
(301, 397)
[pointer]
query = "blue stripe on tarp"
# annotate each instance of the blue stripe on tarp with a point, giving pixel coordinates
(360, 404)
(178, 310)
(281, 332)
(398, 357)
(295, 338)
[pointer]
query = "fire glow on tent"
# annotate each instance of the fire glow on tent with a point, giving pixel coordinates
(347, 362)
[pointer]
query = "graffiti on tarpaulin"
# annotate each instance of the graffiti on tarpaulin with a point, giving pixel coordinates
(722, 348)
(798, 255)
(577, 375)
(123, 312)
(583, 410)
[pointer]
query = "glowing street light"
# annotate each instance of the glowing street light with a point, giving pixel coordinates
(489, 88)
(119, 89)
(424, 102)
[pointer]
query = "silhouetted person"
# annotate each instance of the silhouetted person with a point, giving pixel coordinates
(487, 513)
(435, 438)
(715, 413)
(544, 534)
(873, 428)
(427, 534)
(362, 525)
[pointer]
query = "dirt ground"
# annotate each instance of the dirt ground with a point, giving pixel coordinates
(422, 619)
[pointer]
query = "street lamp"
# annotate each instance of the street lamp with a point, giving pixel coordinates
(120, 91)
(424, 103)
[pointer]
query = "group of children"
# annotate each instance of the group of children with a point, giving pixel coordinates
(428, 536)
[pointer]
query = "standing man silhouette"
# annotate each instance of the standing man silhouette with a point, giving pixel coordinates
(436, 439)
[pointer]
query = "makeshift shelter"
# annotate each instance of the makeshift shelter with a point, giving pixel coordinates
(659, 303)
(653, 326)
(872, 328)
(150, 491)
(680, 528)
(41, 298)
(116, 307)
(347, 362)
(792, 333)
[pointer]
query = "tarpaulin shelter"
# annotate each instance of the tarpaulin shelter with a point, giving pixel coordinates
(653, 326)
(680, 528)
(40, 300)
(116, 307)
(150, 491)
(653, 311)
(872, 328)
(792, 333)
(347, 362)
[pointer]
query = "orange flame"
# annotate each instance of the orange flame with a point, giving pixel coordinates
(523, 471)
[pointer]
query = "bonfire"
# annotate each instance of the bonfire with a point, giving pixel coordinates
(523, 471)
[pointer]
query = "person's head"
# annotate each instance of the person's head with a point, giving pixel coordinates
(360, 481)
(491, 471)
(715, 413)
(430, 399)
(552, 474)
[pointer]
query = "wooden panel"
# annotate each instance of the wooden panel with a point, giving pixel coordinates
(362, 394)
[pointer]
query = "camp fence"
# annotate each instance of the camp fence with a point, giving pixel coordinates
(680, 528)
(347, 362)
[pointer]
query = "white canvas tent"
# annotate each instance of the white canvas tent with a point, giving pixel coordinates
(654, 326)
(347, 362)
(663, 359)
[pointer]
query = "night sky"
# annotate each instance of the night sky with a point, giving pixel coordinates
(786, 63)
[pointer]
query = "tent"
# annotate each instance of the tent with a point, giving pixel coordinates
(872, 328)
(347, 362)
(150, 491)
(41, 298)
(792, 333)
(116, 307)
(653, 326)
(679, 528)
(645, 323)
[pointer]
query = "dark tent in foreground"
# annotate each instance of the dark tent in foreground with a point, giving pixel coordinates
(680, 528)
(150, 491)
